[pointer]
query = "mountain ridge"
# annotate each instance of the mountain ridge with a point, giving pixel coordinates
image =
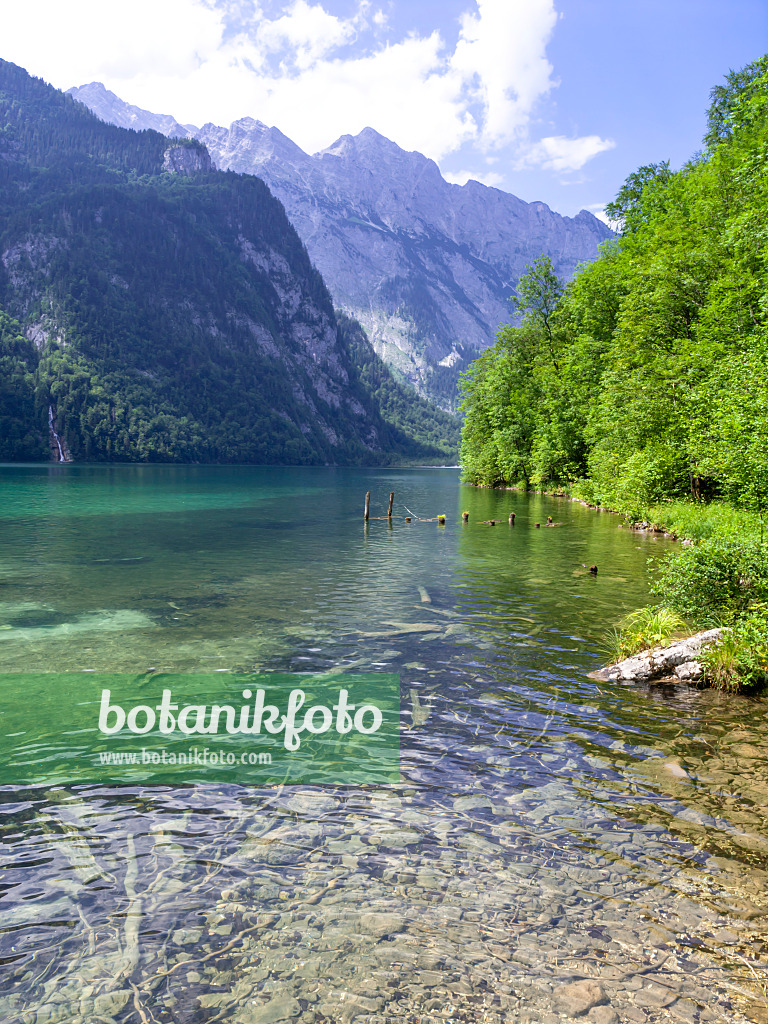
(427, 266)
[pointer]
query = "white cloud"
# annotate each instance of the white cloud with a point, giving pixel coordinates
(305, 34)
(313, 73)
(83, 40)
(558, 153)
(490, 178)
(501, 55)
(598, 209)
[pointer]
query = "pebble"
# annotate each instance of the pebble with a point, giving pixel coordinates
(603, 1015)
(382, 924)
(470, 803)
(277, 1009)
(578, 997)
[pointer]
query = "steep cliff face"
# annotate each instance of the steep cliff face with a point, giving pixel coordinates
(174, 316)
(427, 267)
(187, 159)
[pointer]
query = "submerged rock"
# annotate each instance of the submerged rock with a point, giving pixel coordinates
(381, 924)
(579, 997)
(278, 1008)
(678, 660)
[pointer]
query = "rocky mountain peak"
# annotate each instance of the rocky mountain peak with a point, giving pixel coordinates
(368, 150)
(365, 143)
(109, 107)
(249, 144)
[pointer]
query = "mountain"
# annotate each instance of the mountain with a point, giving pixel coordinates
(152, 308)
(108, 107)
(426, 266)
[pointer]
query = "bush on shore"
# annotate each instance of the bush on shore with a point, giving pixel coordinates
(721, 580)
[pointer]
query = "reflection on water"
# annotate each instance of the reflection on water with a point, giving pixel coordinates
(557, 848)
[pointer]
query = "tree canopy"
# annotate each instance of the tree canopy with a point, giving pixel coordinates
(648, 378)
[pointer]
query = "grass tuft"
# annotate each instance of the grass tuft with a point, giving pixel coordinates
(642, 630)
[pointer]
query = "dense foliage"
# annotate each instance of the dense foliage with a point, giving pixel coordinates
(647, 375)
(175, 317)
(645, 379)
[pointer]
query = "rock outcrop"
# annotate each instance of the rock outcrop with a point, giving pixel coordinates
(187, 158)
(679, 660)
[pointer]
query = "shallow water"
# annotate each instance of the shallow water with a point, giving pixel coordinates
(556, 848)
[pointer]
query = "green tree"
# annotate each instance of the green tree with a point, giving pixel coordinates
(501, 397)
(639, 197)
(726, 99)
(539, 291)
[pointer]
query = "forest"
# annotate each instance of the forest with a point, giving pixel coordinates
(642, 384)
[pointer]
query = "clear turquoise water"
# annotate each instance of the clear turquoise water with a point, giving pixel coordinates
(634, 798)
(125, 567)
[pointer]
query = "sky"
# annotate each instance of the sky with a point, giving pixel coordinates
(552, 100)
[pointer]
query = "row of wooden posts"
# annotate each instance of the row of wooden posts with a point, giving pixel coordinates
(464, 518)
(440, 519)
(368, 504)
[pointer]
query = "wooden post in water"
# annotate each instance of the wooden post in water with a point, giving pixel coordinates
(465, 517)
(367, 504)
(391, 499)
(511, 518)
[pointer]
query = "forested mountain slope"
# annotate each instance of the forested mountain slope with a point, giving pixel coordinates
(173, 312)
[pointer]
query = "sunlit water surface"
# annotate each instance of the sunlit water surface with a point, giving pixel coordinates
(557, 848)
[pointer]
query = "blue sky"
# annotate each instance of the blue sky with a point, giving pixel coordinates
(555, 100)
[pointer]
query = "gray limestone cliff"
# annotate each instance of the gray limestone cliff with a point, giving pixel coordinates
(186, 158)
(109, 107)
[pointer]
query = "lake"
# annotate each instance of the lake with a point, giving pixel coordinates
(554, 848)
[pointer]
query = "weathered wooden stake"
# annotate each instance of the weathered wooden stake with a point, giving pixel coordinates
(465, 517)
(391, 499)
(367, 503)
(511, 518)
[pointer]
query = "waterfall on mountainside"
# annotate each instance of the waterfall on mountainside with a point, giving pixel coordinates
(54, 434)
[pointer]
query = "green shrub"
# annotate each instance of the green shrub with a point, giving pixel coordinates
(715, 581)
(739, 660)
(700, 521)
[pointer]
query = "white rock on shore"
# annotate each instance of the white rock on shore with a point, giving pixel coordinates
(679, 660)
